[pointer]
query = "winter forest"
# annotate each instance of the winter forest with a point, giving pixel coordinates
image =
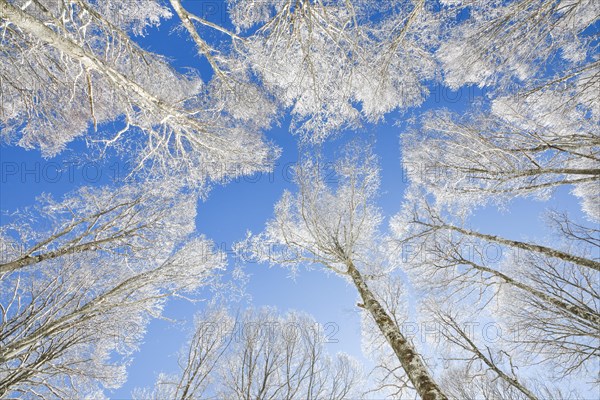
(300, 199)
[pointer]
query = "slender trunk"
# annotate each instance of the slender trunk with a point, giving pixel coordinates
(589, 316)
(407, 355)
(538, 171)
(586, 262)
(30, 260)
(475, 350)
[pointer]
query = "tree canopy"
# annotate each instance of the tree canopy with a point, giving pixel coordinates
(85, 273)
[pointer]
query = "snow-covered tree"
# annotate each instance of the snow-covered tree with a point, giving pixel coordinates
(73, 64)
(75, 304)
(548, 295)
(534, 135)
(322, 59)
(462, 383)
(475, 368)
(481, 359)
(518, 149)
(388, 379)
(257, 355)
(498, 43)
(129, 219)
(336, 227)
(420, 219)
(538, 132)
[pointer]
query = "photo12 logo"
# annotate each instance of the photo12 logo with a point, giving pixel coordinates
(61, 172)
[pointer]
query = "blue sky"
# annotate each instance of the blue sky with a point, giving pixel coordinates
(246, 204)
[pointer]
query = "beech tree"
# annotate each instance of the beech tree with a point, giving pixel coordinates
(81, 55)
(80, 278)
(533, 136)
(549, 333)
(74, 306)
(481, 158)
(321, 58)
(387, 376)
(466, 382)
(478, 364)
(315, 58)
(420, 218)
(482, 359)
(546, 307)
(257, 355)
(129, 219)
(548, 296)
(537, 133)
(337, 228)
(510, 42)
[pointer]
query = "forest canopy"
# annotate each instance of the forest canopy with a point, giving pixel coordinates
(120, 121)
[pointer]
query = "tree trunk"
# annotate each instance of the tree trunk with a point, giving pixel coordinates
(490, 363)
(587, 315)
(30, 260)
(409, 358)
(586, 262)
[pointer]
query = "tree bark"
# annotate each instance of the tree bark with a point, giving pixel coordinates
(30, 260)
(407, 355)
(490, 363)
(586, 262)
